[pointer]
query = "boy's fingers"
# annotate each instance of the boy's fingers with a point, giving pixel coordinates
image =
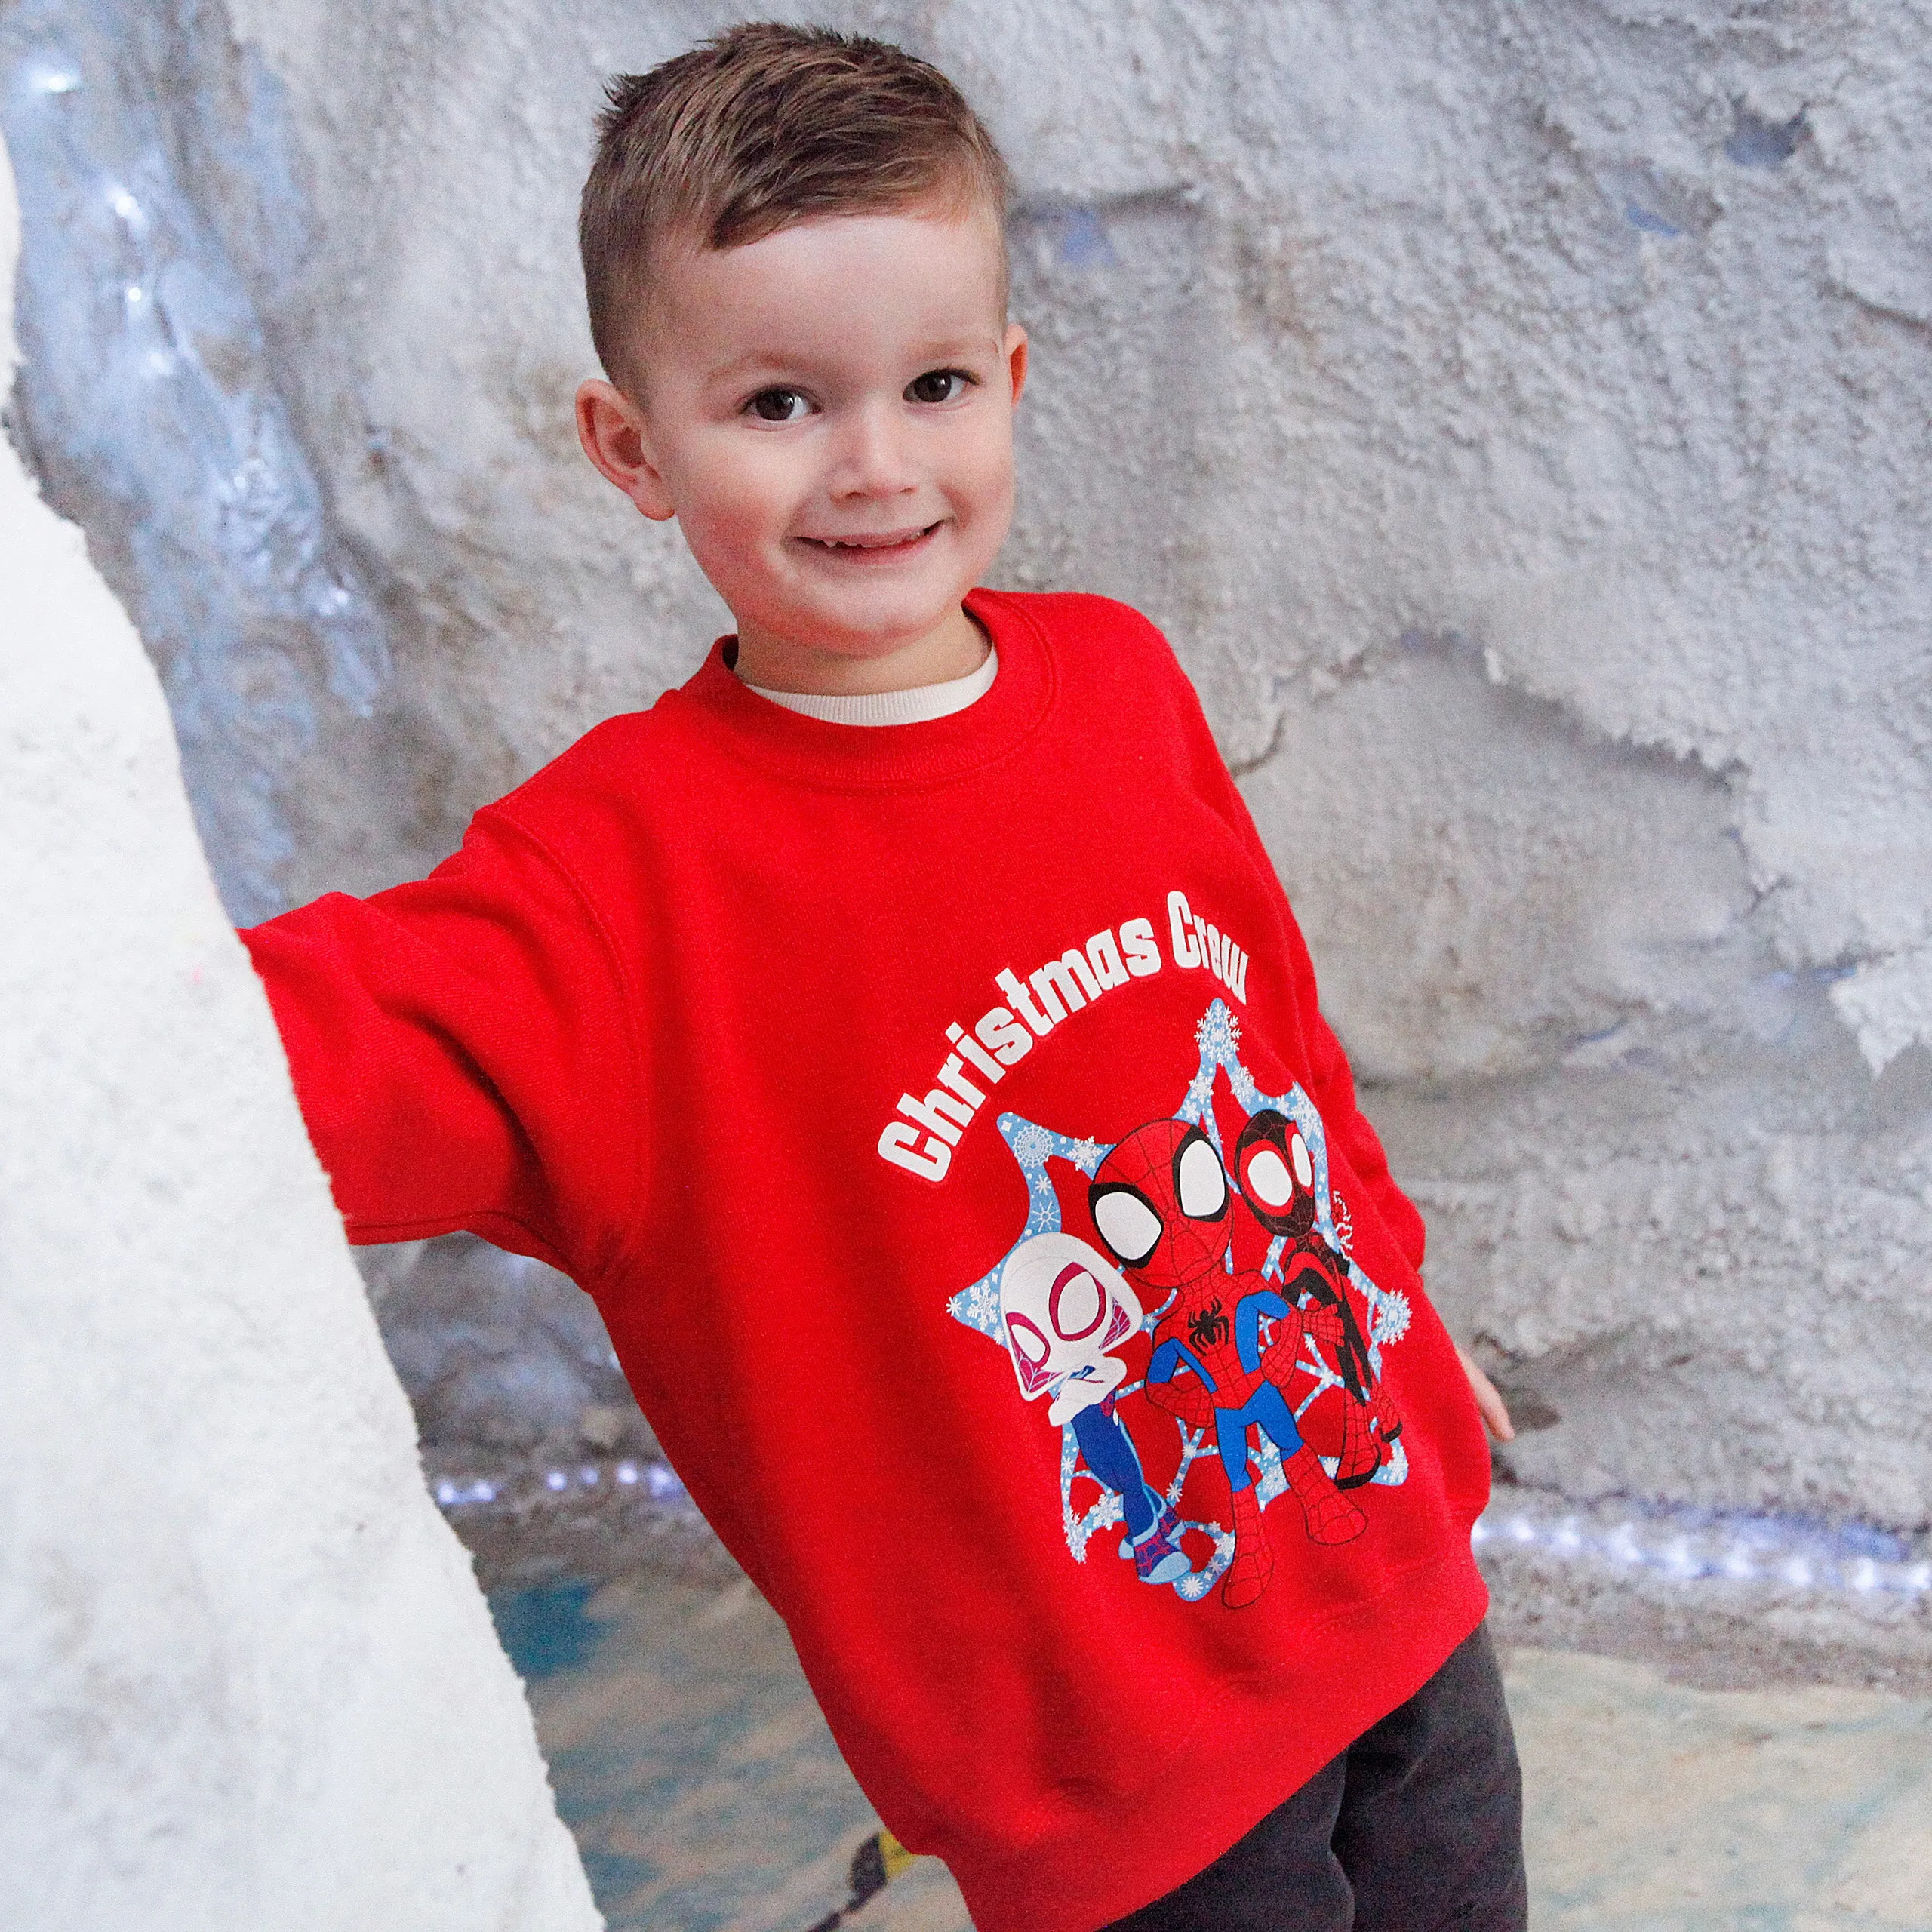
(1495, 1412)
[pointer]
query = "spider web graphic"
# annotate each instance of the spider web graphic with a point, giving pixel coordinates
(1032, 1146)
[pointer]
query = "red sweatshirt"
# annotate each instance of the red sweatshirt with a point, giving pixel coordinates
(940, 1115)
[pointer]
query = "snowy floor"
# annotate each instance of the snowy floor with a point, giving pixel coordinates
(707, 1796)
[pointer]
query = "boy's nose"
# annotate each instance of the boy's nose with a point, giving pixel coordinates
(872, 458)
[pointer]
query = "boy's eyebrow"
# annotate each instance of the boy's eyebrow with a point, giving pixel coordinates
(936, 348)
(939, 348)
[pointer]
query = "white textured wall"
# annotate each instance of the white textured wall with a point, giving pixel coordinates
(246, 1680)
(1517, 414)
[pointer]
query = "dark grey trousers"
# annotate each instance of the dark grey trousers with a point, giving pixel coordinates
(1416, 1827)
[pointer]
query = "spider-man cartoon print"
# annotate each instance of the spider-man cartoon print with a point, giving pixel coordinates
(1219, 1269)
(1161, 1201)
(1275, 1173)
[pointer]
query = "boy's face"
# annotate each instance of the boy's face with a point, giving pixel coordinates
(828, 412)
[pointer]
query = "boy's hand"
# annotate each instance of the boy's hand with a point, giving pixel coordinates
(1489, 1399)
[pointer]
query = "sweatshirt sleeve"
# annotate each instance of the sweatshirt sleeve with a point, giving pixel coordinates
(1334, 1093)
(461, 1051)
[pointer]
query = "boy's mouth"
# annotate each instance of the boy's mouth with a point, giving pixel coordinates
(872, 543)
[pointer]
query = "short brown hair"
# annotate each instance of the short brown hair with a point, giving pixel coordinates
(762, 126)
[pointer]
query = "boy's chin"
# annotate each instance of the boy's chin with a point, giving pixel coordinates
(868, 628)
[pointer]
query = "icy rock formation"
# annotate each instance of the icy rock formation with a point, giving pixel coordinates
(1515, 414)
(247, 1680)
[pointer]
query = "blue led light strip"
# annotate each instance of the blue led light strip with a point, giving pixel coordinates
(1683, 1544)
(1688, 1545)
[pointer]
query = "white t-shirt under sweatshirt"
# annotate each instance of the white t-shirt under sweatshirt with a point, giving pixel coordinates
(913, 707)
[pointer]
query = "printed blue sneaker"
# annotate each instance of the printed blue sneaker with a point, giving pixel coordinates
(1156, 1558)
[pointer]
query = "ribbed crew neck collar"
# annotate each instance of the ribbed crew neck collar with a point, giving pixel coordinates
(872, 709)
(816, 750)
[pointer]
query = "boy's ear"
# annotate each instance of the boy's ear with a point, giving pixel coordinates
(1016, 357)
(610, 427)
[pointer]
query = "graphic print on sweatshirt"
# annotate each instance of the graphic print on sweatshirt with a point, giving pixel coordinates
(1215, 1348)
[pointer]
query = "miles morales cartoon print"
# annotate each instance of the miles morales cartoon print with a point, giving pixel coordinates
(1223, 1272)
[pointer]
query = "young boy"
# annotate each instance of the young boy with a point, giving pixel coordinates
(901, 1021)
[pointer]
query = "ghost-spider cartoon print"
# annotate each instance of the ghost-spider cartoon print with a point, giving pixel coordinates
(1215, 1318)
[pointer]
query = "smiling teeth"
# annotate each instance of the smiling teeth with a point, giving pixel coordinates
(870, 542)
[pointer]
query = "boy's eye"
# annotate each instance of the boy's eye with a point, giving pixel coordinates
(778, 405)
(938, 386)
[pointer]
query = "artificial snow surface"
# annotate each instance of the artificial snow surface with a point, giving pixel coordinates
(248, 1682)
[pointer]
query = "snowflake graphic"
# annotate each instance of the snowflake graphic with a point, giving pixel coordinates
(977, 1306)
(1345, 1224)
(1218, 1033)
(1391, 1316)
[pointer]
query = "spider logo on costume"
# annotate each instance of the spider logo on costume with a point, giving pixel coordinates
(1207, 1325)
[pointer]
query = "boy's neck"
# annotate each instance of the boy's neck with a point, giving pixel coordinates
(954, 648)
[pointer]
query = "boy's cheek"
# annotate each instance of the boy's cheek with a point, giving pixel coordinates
(719, 512)
(747, 492)
(989, 459)
(729, 558)
(989, 488)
